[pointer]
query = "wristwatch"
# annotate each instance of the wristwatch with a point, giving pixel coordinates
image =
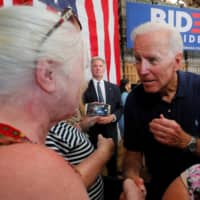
(192, 145)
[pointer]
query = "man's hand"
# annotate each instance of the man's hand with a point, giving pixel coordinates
(132, 191)
(169, 132)
(106, 119)
(88, 121)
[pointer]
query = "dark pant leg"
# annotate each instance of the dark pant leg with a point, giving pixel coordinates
(154, 191)
(112, 188)
(108, 132)
(112, 166)
(93, 137)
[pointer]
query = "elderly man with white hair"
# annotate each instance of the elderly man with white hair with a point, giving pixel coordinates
(162, 113)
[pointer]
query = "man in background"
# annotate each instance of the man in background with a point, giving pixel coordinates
(109, 94)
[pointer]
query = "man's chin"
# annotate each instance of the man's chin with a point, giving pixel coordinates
(151, 89)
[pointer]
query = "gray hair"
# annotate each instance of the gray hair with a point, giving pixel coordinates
(175, 40)
(97, 58)
(22, 30)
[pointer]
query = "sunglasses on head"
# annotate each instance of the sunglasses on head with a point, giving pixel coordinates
(66, 15)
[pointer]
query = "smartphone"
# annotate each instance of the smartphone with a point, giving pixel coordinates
(97, 109)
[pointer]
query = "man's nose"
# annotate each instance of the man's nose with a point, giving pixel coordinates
(143, 67)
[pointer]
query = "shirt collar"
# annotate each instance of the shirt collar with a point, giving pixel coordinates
(95, 81)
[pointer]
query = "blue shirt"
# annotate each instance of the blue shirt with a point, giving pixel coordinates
(164, 163)
(121, 121)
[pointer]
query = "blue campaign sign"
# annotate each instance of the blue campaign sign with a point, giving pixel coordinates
(186, 20)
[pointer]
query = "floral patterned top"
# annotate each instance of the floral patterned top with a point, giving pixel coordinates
(10, 135)
(191, 179)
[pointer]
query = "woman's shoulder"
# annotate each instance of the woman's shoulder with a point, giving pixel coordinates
(30, 168)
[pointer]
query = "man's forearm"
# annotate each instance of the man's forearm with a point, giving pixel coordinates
(132, 164)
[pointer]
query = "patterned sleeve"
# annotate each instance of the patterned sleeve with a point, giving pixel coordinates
(191, 179)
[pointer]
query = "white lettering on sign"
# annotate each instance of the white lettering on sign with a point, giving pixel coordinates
(191, 38)
(179, 19)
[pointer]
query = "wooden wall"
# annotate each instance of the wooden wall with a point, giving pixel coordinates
(130, 73)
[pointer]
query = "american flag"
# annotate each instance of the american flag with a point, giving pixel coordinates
(99, 20)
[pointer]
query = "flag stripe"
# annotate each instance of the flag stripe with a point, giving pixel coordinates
(23, 2)
(84, 21)
(112, 74)
(100, 31)
(116, 42)
(106, 34)
(5, 3)
(92, 27)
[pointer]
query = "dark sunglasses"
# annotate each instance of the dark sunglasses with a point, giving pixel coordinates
(66, 15)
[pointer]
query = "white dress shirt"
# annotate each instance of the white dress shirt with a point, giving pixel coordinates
(102, 86)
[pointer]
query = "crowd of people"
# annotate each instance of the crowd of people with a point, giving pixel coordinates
(48, 151)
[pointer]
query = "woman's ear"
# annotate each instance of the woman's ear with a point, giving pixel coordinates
(45, 75)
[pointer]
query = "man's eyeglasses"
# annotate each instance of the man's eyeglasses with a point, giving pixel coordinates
(66, 15)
